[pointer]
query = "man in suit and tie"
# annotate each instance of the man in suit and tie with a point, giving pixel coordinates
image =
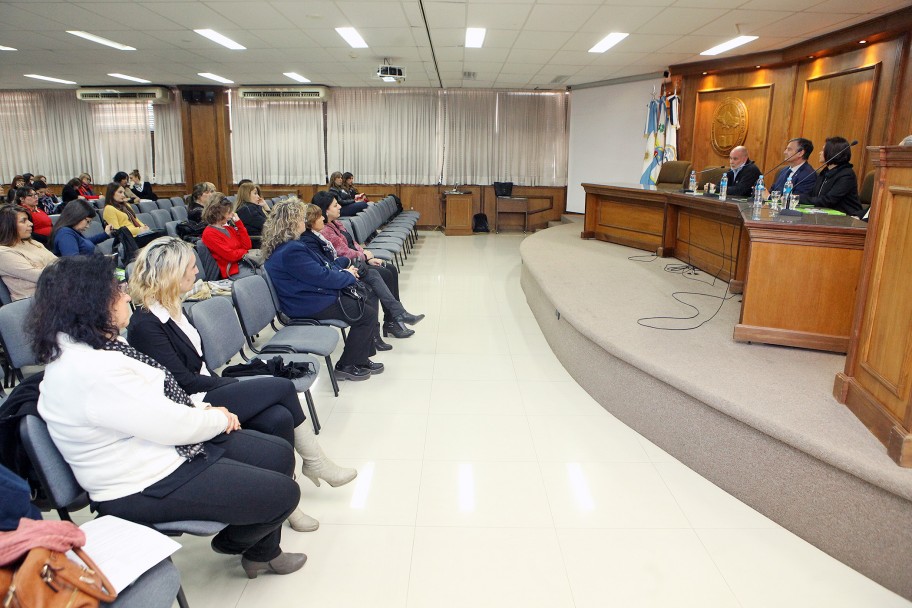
(743, 174)
(796, 153)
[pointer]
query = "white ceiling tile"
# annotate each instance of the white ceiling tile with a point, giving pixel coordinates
(720, 4)
(693, 44)
(445, 14)
(536, 40)
(739, 22)
(130, 16)
(500, 39)
(497, 16)
(373, 14)
(609, 19)
(679, 21)
(487, 54)
(317, 14)
(558, 17)
(798, 24)
(530, 56)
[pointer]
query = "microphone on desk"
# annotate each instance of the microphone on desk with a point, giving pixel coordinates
(710, 169)
(783, 162)
(825, 163)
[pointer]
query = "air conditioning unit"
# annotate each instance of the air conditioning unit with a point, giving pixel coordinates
(124, 95)
(283, 93)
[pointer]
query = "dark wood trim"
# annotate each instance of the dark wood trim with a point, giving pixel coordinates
(786, 337)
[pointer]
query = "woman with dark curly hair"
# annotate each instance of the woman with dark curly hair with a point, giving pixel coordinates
(135, 440)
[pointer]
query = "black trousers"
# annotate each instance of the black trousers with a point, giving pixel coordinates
(268, 405)
(384, 280)
(352, 209)
(250, 488)
(359, 346)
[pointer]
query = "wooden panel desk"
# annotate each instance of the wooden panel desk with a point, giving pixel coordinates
(701, 231)
(511, 206)
(458, 213)
(802, 275)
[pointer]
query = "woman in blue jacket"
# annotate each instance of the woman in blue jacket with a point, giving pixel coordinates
(67, 237)
(310, 283)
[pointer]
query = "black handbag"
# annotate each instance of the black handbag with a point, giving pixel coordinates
(356, 293)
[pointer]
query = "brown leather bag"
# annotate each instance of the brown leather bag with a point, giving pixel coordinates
(49, 579)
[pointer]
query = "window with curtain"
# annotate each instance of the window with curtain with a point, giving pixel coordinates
(52, 133)
(385, 136)
(168, 142)
(277, 142)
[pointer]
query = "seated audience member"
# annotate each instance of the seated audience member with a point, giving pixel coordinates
(226, 237)
(836, 186)
(348, 184)
(133, 437)
(310, 284)
(67, 237)
(70, 191)
(140, 188)
(743, 175)
(119, 214)
(350, 206)
(41, 221)
(29, 178)
(123, 179)
(796, 154)
(18, 182)
(22, 259)
(196, 200)
(383, 278)
(47, 202)
(85, 186)
(166, 269)
(251, 208)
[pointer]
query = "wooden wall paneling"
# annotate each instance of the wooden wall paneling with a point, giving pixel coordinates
(841, 104)
(758, 100)
(425, 200)
(207, 145)
(545, 204)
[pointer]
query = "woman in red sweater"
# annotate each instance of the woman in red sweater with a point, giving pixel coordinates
(41, 222)
(226, 237)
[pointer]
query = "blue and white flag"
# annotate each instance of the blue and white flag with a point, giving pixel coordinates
(654, 132)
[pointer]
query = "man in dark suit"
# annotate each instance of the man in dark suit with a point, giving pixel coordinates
(796, 153)
(743, 174)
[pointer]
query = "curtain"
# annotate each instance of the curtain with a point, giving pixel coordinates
(277, 142)
(506, 136)
(54, 134)
(123, 139)
(385, 136)
(168, 143)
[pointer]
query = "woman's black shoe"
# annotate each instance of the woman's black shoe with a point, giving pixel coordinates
(351, 372)
(409, 318)
(379, 344)
(372, 368)
(397, 330)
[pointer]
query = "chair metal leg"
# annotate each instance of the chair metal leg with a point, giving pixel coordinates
(313, 412)
(332, 375)
(181, 598)
(344, 335)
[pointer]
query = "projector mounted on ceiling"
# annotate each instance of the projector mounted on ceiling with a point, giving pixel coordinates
(391, 73)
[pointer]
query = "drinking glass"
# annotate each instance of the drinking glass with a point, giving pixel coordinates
(775, 197)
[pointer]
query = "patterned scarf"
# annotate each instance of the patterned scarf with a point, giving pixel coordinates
(173, 391)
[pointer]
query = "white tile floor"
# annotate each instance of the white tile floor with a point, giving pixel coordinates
(489, 478)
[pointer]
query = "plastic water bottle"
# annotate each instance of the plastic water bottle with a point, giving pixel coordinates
(692, 185)
(758, 192)
(723, 187)
(787, 191)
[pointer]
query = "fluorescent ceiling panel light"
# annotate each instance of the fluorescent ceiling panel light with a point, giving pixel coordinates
(215, 77)
(225, 41)
(608, 41)
(475, 37)
(727, 46)
(49, 79)
(295, 76)
(7, 48)
(352, 37)
(100, 40)
(132, 78)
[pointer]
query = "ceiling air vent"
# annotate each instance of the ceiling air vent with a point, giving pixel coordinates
(469, 75)
(129, 95)
(283, 93)
(559, 80)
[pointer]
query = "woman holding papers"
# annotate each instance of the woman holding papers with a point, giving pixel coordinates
(133, 437)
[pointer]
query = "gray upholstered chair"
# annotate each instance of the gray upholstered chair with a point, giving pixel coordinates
(15, 342)
(674, 175)
(711, 176)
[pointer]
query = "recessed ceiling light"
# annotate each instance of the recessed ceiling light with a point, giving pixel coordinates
(49, 79)
(352, 37)
(475, 37)
(608, 41)
(7, 48)
(705, 73)
(727, 46)
(295, 76)
(133, 78)
(215, 77)
(810, 56)
(100, 40)
(757, 66)
(862, 42)
(225, 41)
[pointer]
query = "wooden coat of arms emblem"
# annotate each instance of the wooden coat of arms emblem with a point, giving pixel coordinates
(729, 125)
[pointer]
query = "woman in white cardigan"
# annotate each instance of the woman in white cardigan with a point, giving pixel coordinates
(134, 439)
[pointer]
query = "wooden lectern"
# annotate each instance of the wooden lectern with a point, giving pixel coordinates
(877, 382)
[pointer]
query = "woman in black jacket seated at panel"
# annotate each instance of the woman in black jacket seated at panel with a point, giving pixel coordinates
(836, 186)
(165, 270)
